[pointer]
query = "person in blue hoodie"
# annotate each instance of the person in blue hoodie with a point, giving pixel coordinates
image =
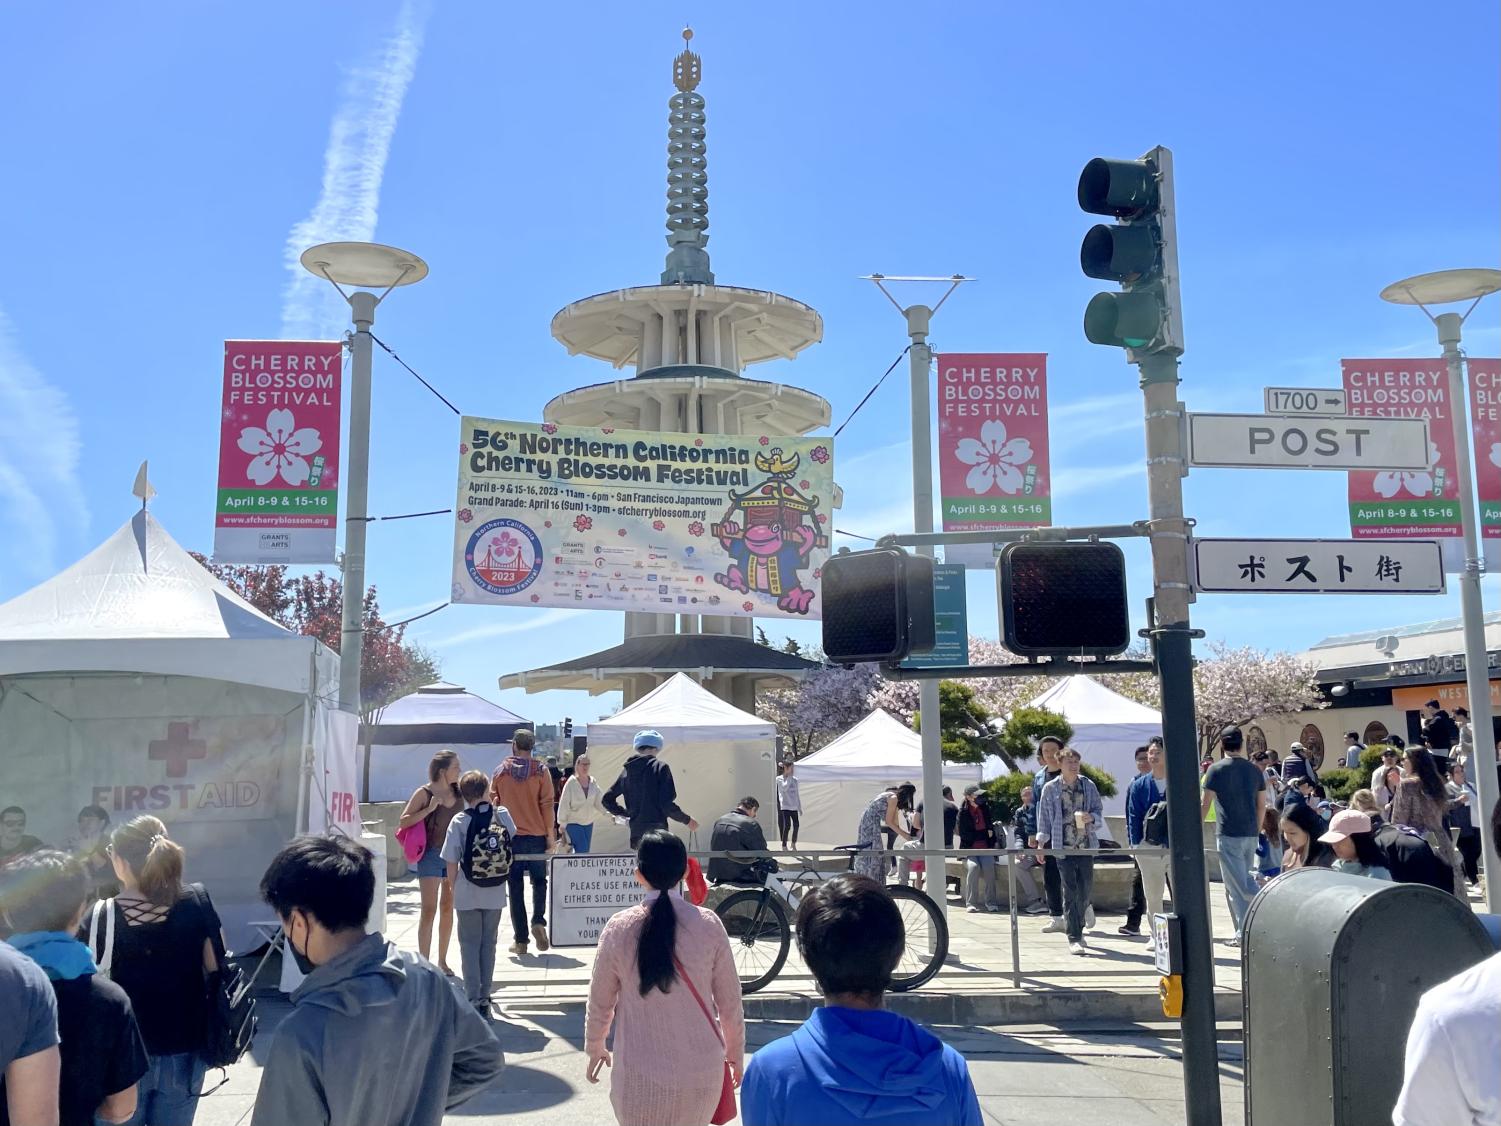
(377, 1036)
(852, 1061)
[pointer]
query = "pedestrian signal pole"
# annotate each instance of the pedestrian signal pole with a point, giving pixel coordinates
(1140, 253)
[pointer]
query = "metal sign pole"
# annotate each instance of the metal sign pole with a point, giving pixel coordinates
(1172, 641)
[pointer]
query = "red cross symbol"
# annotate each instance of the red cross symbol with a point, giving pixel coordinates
(176, 749)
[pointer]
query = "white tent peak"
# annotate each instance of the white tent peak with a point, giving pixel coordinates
(680, 707)
(879, 729)
(1081, 698)
(137, 584)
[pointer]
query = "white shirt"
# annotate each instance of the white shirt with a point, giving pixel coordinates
(787, 795)
(1452, 1077)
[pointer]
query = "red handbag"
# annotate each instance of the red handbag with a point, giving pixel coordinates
(698, 887)
(726, 1110)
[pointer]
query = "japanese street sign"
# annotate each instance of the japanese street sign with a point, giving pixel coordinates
(1305, 400)
(1269, 441)
(1318, 566)
(950, 618)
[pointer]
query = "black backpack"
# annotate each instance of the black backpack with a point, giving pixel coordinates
(231, 1017)
(1154, 824)
(487, 855)
(1411, 859)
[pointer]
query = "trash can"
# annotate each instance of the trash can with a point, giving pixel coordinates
(1333, 966)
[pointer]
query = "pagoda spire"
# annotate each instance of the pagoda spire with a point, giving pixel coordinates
(687, 176)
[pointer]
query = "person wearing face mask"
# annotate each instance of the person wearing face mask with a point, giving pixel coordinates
(377, 1036)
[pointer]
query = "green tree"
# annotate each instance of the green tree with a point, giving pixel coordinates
(1025, 727)
(1005, 792)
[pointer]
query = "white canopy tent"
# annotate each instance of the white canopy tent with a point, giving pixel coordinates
(435, 718)
(1107, 730)
(135, 681)
(718, 754)
(837, 782)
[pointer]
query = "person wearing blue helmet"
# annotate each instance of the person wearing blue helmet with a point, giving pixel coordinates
(645, 794)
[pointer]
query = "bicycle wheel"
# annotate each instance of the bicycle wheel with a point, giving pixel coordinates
(760, 936)
(927, 939)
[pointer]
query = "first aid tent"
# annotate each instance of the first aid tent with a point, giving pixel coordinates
(837, 782)
(137, 682)
(718, 754)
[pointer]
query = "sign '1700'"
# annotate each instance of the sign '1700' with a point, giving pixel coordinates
(597, 519)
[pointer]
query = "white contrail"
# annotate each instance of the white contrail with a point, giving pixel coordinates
(359, 140)
(39, 444)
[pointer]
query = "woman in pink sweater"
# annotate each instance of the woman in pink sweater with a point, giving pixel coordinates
(670, 1054)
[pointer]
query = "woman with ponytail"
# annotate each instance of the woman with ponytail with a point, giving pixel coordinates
(156, 941)
(664, 976)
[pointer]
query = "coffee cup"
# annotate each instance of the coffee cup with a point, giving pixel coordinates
(1081, 820)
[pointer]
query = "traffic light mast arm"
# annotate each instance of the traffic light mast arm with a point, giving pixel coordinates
(1018, 535)
(1021, 668)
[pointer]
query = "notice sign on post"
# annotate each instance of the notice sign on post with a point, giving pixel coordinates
(950, 621)
(1420, 502)
(600, 519)
(992, 446)
(279, 465)
(1485, 418)
(584, 891)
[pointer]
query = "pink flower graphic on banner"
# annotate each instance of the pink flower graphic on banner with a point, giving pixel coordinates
(1496, 454)
(818, 572)
(765, 441)
(823, 517)
(698, 441)
(695, 529)
(620, 532)
(658, 525)
(547, 523)
(463, 447)
(536, 598)
(607, 429)
(279, 449)
(1417, 482)
(820, 454)
(465, 515)
(549, 428)
(994, 459)
(583, 523)
(747, 606)
(804, 486)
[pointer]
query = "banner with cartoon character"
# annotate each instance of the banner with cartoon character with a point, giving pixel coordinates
(1485, 422)
(992, 446)
(602, 519)
(279, 461)
(1407, 504)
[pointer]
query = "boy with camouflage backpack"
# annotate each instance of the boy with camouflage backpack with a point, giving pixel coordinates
(478, 852)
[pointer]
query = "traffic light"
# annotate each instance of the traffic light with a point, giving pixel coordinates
(877, 605)
(1140, 251)
(567, 727)
(1063, 599)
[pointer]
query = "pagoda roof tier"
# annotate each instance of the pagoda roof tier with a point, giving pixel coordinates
(738, 326)
(721, 403)
(701, 655)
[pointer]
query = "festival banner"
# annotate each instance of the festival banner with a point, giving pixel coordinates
(279, 461)
(600, 519)
(1485, 424)
(993, 447)
(1407, 504)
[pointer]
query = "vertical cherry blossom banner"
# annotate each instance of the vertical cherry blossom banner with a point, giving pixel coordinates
(279, 466)
(1422, 504)
(992, 446)
(1485, 423)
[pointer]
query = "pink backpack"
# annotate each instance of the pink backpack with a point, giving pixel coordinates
(413, 839)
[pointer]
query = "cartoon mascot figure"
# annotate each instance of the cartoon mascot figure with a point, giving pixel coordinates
(780, 532)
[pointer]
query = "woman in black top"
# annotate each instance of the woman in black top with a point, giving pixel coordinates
(155, 940)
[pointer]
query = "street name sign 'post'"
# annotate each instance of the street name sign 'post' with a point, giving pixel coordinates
(1269, 441)
(1232, 566)
(1306, 400)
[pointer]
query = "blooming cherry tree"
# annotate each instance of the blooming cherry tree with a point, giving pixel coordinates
(1235, 686)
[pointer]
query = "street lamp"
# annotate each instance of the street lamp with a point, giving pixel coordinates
(384, 268)
(1443, 288)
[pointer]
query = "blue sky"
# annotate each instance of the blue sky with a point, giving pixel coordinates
(160, 159)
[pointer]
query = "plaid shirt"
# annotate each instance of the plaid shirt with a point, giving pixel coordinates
(1055, 819)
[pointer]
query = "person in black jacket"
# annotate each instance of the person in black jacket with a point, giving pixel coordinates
(738, 831)
(1441, 732)
(649, 793)
(977, 830)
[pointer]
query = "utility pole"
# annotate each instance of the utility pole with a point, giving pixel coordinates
(1442, 288)
(920, 358)
(1141, 253)
(380, 267)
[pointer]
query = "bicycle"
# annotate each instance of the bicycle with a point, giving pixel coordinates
(761, 932)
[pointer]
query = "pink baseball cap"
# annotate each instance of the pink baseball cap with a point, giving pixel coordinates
(1345, 823)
